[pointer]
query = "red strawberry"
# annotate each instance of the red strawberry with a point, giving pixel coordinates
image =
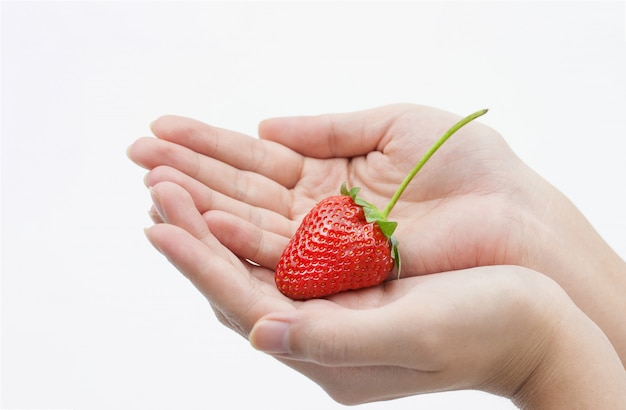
(334, 249)
(345, 243)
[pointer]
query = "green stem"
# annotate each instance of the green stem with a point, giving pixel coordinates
(427, 156)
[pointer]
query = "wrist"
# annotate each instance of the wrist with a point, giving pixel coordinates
(563, 245)
(578, 367)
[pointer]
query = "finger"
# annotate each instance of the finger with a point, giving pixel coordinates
(245, 239)
(240, 151)
(340, 337)
(334, 135)
(175, 206)
(150, 152)
(241, 185)
(154, 215)
(420, 324)
(207, 199)
(229, 284)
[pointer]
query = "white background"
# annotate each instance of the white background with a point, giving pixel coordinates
(94, 318)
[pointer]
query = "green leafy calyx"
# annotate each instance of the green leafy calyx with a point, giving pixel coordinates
(372, 214)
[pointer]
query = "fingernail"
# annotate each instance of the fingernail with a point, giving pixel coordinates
(154, 215)
(156, 199)
(271, 336)
(146, 180)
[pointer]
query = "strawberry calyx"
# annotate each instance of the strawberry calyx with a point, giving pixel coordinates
(374, 215)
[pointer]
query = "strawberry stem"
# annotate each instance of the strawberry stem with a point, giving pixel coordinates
(427, 156)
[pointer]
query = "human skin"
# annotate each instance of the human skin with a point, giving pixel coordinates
(474, 204)
(502, 329)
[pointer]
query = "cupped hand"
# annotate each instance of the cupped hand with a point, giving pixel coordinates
(455, 214)
(475, 203)
(426, 333)
(501, 329)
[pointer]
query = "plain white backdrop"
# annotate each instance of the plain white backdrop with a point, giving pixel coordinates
(94, 318)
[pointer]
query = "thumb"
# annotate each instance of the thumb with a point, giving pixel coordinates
(332, 135)
(337, 337)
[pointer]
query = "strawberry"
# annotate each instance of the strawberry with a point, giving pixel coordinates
(346, 243)
(335, 249)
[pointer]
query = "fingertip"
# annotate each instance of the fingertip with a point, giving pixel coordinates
(270, 336)
(263, 126)
(149, 233)
(147, 180)
(142, 152)
(155, 125)
(131, 150)
(169, 126)
(273, 128)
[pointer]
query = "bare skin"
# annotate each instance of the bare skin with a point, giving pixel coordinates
(502, 329)
(474, 204)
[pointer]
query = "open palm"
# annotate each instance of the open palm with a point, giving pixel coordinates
(464, 208)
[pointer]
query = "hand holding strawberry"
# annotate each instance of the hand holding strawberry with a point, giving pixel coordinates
(345, 242)
(477, 204)
(428, 333)
(213, 227)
